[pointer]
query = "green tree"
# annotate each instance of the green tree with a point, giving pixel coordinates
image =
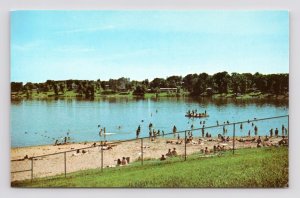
(16, 86)
(140, 90)
(222, 79)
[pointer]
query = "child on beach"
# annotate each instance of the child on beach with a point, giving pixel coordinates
(163, 158)
(169, 153)
(124, 162)
(174, 152)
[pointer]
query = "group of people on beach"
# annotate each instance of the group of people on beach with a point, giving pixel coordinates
(170, 153)
(122, 162)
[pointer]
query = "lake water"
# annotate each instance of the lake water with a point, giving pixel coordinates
(39, 122)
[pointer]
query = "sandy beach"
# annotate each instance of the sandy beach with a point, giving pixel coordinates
(90, 158)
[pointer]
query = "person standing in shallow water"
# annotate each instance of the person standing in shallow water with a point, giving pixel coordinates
(174, 130)
(255, 130)
(276, 132)
(271, 132)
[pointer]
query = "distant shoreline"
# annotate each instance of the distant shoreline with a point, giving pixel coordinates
(72, 95)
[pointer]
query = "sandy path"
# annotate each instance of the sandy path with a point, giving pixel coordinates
(54, 164)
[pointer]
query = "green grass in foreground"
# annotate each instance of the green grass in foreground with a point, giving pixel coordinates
(263, 167)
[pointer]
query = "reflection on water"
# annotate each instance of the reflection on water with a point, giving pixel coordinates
(36, 122)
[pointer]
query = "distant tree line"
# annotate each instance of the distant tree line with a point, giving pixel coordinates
(195, 84)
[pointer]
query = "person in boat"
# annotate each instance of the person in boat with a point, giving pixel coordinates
(189, 112)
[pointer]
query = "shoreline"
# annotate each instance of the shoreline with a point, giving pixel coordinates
(91, 157)
(248, 96)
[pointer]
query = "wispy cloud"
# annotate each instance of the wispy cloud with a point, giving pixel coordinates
(27, 46)
(125, 55)
(86, 30)
(74, 49)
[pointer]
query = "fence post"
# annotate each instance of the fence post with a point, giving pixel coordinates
(101, 157)
(31, 169)
(65, 159)
(184, 145)
(233, 146)
(142, 150)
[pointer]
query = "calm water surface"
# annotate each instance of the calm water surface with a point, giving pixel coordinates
(38, 122)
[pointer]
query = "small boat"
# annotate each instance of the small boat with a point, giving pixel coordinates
(197, 115)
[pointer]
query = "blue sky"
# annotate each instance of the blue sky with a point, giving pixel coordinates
(95, 45)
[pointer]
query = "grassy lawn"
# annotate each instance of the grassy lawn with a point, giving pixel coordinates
(262, 167)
